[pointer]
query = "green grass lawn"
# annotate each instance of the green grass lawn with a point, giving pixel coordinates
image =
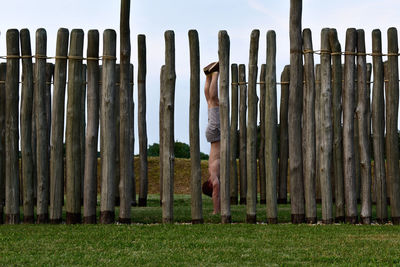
(211, 244)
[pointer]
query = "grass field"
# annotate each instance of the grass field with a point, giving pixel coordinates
(147, 243)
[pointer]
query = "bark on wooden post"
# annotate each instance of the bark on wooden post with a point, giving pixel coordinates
(82, 130)
(132, 132)
(378, 127)
(271, 135)
(295, 113)
(261, 150)
(26, 126)
(41, 128)
(223, 55)
(243, 134)
(349, 170)
(168, 156)
(2, 139)
(117, 134)
(337, 124)
(142, 120)
(392, 106)
(252, 130)
(161, 126)
(317, 131)
(12, 103)
(125, 102)
(107, 124)
(234, 134)
(72, 136)
(309, 129)
(57, 128)
(90, 177)
(325, 148)
(283, 136)
(49, 76)
(386, 85)
(196, 201)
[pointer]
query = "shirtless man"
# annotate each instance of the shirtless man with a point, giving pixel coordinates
(211, 187)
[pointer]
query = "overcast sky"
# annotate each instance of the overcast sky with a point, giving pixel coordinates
(238, 17)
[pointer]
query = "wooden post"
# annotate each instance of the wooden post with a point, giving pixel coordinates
(196, 200)
(223, 55)
(386, 85)
(2, 139)
(117, 135)
(325, 147)
(337, 124)
(57, 128)
(283, 136)
(49, 76)
(168, 156)
(317, 130)
(243, 133)
(82, 130)
(41, 128)
(295, 113)
(142, 120)
(234, 134)
(26, 126)
(125, 101)
(261, 150)
(12, 103)
(378, 127)
(107, 124)
(252, 130)
(309, 129)
(392, 106)
(132, 132)
(271, 134)
(161, 127)
(90, 176)
(349, 170)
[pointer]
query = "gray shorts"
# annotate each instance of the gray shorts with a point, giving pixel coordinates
(213, 131)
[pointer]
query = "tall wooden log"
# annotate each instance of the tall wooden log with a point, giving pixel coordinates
(41, 128)
(261, 150)
(12, 136)
(337, 124)
(309, 129)
(168, 155)
(325, 148)
(161, 126)
(125, 101)
(243, 134)
(386, 85)
(107, 124)
(49, 78)
(295, 113)
(223, 55)
(72, 136)
(283, 136)
(34, 143)
(117, 135)
(132, 132)
(82, 130)
(252, 130)
(142, 120)
(271, 131)
(317, 131)
(392, 109)
(349, 170)
(378, 128)
(92, 133)
(196, 202)
(234, 134)
(57, 128)
(2, 139)
(26, 126)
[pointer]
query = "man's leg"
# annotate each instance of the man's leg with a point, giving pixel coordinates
(214, 169)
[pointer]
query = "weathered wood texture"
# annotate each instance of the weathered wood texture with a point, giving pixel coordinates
(386, 86)
(26, 126)
(349, 171)
(378, 128)
(132, 132)
(392, 109)
(142, 120)
(317, 130)
(57, 128)
(49, 78)
(82, 124)
(117, 134)
(243, 134)
(309, 130)
(196, 198)
(2, 139)
(161, 126)
(92, 133)
(168, 156)
(107, 126)
(12, 136)
(261, 145)
(271, 131)
(223, 55)
(295, 113)
(251, 197)
(234, 134)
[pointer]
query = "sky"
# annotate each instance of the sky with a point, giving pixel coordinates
(208, 17)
